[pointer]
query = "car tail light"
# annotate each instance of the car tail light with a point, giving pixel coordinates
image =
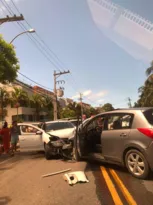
(146, 131)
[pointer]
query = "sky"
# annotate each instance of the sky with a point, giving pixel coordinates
(105, 66)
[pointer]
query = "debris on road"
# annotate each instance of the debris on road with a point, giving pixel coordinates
(55, 173)
(75, 177)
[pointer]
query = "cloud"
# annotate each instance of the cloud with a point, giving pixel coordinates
(97, 96)
(100, 101)
(75, 96)
(87, 93)
(102, 93)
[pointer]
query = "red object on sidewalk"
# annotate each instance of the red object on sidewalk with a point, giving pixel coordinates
(5, 132)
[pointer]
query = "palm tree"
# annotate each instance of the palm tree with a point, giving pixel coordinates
(48, 102)
(48, 106)
(37, 102)
(75, 107)
(146, 93)
(19, 98)
(149, 72)
(4, 100)
(150, 69)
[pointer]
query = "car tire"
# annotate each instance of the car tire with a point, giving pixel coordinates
(137, 164)
(47, 154)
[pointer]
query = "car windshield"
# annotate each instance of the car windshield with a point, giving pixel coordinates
(58, 126)
(149, 116)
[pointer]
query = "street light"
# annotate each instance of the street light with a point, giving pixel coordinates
(28, 31)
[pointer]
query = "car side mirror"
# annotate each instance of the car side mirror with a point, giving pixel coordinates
(38, 133)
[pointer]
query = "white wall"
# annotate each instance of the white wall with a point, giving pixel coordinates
(21, 110)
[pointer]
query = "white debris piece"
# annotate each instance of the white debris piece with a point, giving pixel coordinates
(75, 177)
(55, 173)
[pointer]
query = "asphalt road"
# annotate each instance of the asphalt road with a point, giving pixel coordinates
(21, 183)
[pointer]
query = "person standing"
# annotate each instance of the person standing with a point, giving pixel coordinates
(14, 135)
(5, 133)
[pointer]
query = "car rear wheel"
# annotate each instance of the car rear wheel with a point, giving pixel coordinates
(136, 164)
(47, 153)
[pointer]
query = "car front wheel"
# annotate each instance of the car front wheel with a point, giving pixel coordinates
(136, 164)
(47, 153)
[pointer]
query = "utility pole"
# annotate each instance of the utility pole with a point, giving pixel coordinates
(56, 75)
(81, 104)
(129, 102)
(11, 19)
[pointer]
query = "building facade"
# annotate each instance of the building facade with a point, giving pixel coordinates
(24, 113)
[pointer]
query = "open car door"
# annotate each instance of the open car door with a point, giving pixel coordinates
(30, 138)
(80, 142)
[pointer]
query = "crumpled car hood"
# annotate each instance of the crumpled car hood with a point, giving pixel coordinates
(64, 133)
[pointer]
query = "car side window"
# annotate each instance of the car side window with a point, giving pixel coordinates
(119, 121)
(97, 122)
(28, 129)
(90, 126)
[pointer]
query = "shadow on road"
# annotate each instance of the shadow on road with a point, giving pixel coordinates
(4, 200)
(96, 165)
(29, 155)
(5, 168)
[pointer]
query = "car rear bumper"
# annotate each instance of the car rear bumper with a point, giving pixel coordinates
(149, 153)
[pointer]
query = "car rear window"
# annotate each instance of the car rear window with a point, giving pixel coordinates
(149, 115)
(58, 126)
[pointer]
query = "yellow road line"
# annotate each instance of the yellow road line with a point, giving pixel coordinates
(123, 189)
(111, 187)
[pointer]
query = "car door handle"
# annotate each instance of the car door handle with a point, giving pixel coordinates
(123, 135)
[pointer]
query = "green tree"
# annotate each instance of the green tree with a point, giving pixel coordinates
(19, 98)
(107, 107)
(93, 111)
(149, 70)
(76, 108)
(9, 62)
(67, 113)
(4, 101)
(146, 91)
(48, 106)
(37, 102)
(145, 95)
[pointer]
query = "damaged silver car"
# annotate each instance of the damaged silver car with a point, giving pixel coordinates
(123, 137)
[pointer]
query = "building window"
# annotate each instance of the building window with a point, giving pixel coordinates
(23, 118)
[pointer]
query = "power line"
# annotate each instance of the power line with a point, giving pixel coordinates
(6, 6)
(58, 61)
(43, 42)
(30, 88)
(40, 47)
(10, 11)
(34, 81)
(60, 64)
(32, 38)
(23, 28)
(2, 10)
